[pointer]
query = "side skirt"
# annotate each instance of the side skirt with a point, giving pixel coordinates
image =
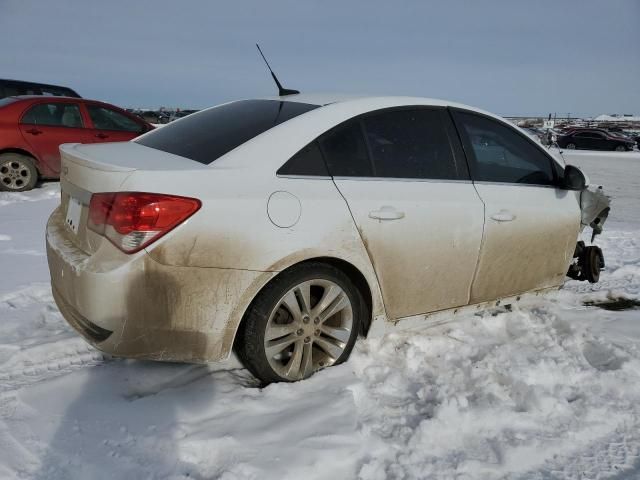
(381, 326)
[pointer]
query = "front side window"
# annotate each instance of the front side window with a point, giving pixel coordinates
(54, 114)
(498, 153)
(410, 144)
(345, 151)
(107, 119)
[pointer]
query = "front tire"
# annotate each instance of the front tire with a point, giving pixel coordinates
(571, 146)
(306, 319)
(621, 148)
(18, 173)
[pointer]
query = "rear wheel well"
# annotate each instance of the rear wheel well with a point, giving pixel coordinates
(348, 269)
(358, 280)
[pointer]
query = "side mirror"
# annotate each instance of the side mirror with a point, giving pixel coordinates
(574, 179)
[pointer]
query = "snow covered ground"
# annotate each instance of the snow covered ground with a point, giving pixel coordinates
(548, 390)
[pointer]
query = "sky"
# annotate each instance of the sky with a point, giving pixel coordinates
(510, 57)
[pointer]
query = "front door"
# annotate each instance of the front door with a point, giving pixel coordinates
(531, 224)
(47, 125)
(405, 180)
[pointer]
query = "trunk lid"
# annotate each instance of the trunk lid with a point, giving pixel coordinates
(89, 169)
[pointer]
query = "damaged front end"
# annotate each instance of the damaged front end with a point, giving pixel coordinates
(588, 261)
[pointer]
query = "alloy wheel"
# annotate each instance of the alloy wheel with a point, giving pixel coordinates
(308, 329)
(14, 174)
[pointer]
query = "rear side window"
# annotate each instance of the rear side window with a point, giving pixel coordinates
(345, 151)
(308, 162)
(54, 114)
(498, 153)
(107, 119)
(410, 144)
(206, 136)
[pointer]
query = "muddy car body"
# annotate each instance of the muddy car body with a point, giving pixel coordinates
(303, 222)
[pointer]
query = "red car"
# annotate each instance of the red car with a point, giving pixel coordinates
(33, 127)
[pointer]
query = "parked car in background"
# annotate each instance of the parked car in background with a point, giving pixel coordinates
(33, 127)
(594, 139)
(285, 228)
(181, 114)
(11, 88)
(160, 116)
(535, 133)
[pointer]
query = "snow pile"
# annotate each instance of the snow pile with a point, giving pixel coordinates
(548, 389)
(505, 395)
(617, 118)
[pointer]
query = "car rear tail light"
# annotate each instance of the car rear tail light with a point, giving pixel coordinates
(133, 220)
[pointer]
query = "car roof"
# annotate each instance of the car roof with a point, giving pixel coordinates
(375, 101)
(323, 99)
(277, 143)
(47, 97)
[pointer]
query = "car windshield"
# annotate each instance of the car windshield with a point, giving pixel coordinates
(206, 136)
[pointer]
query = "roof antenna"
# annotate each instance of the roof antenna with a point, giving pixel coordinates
(281, 91)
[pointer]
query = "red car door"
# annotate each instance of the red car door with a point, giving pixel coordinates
(48, 124)
(113, 125)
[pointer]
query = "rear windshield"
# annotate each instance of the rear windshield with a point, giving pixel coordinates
(207, 135)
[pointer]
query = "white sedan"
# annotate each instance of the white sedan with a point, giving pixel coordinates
(284, 228)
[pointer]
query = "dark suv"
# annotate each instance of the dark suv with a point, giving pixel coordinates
(12, 88)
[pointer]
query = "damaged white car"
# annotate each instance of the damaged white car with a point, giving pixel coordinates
(287, 227)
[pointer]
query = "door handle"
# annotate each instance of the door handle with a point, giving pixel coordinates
(386, 213)
(102, 135)
(503, 216)
(34, 131)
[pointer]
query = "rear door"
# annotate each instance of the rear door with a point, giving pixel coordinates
(111, 125)
(48, 124)
(406, 183)
(531, 224)
(600, 141)
(590, 140)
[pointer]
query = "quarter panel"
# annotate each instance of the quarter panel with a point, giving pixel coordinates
(233, 230)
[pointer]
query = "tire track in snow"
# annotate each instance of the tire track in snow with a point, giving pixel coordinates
(37, 372)
(50, 350)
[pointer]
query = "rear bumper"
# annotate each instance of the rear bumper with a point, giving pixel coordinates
(132, 306)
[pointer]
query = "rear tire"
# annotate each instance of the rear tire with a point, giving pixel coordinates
(304, 320)
(571, 146)
(621, 148)
(18, 172)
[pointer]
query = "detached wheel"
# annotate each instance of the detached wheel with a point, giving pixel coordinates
(17, 172)
(306, 319)
(571, 146)
(592, 264)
